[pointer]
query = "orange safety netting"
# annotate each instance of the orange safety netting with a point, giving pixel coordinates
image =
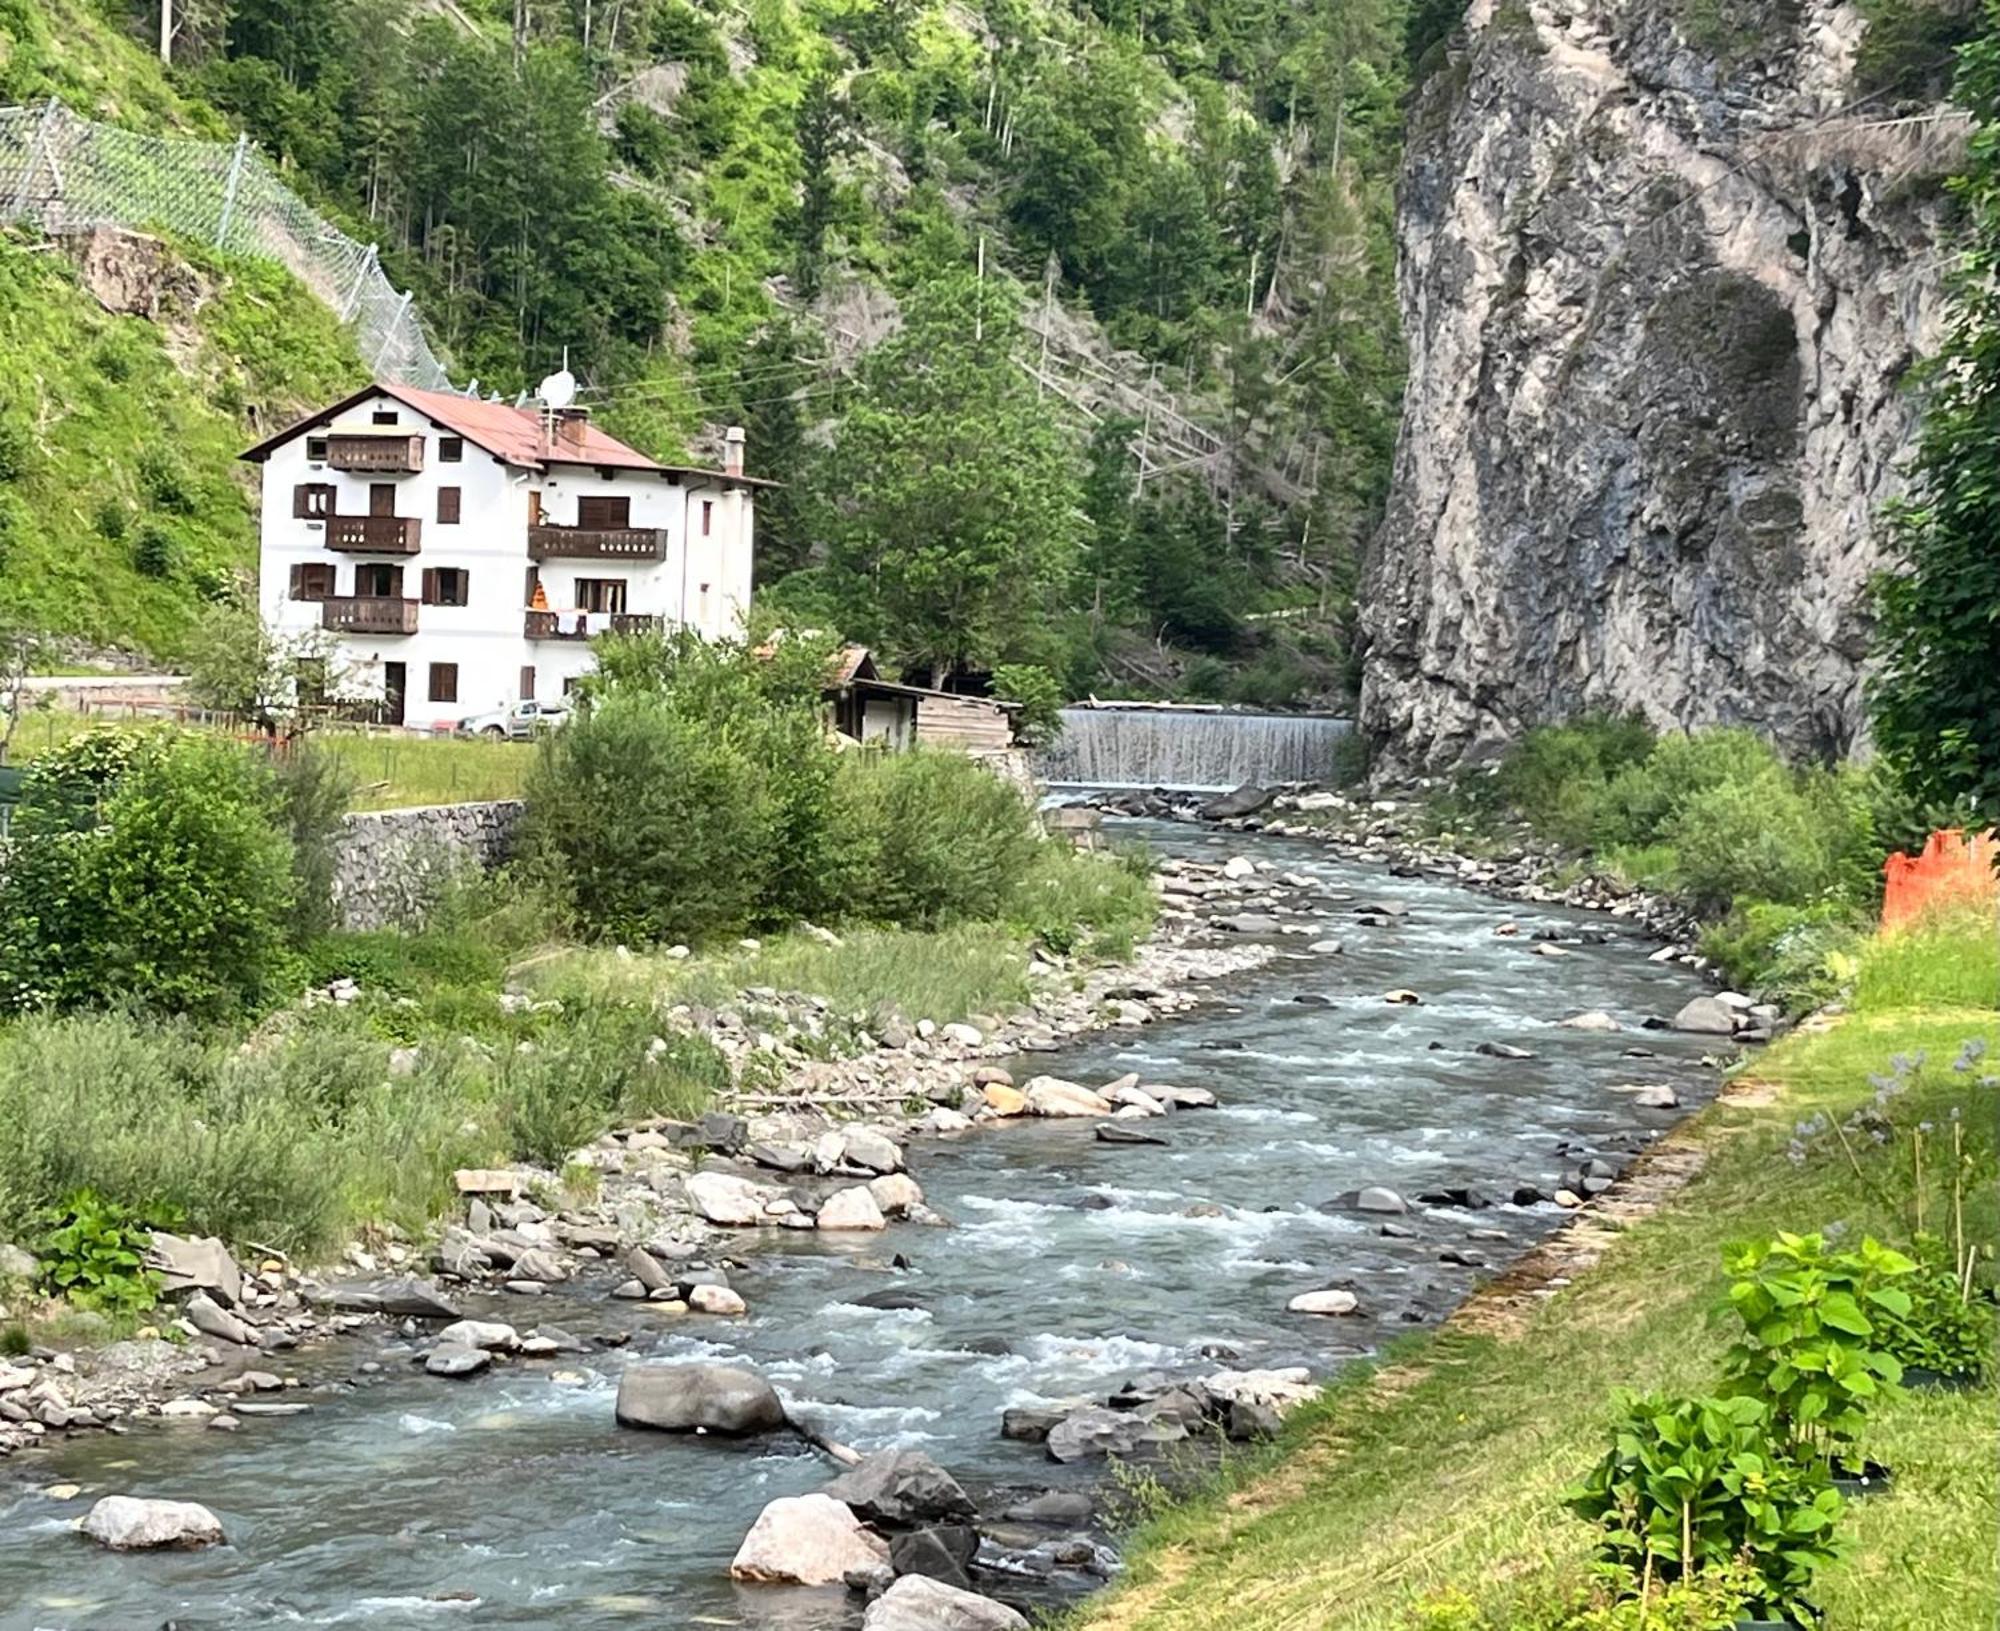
(1953, 867)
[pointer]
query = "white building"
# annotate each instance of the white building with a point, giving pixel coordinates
(464, 552)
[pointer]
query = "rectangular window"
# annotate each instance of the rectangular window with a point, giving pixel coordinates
(444, 682)
(451, 449)
(385, 416)
(382, 498)
(600, 594)
(600, 514)
(448, 505)
(376, 581)
(316, 449)
(447, 586)
(312, 500)
(312, 580)
(707, 516)
(528, 683)
(569, 684)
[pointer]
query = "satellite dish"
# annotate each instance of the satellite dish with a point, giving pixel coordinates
(558, 391)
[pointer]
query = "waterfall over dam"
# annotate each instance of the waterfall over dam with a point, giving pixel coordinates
(1193, 750)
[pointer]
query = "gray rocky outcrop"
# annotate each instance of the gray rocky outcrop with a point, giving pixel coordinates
(1663, 294)
(127, 1523)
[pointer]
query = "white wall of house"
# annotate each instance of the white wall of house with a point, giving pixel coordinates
(702, 582)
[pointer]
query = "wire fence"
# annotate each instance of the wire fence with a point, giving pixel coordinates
(68, 174)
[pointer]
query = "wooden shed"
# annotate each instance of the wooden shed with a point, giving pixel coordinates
(868, 708)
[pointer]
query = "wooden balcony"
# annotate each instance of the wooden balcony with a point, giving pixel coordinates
(572, 625)
(397, 454)
(550, 543)
(368, 614)
(374, 534)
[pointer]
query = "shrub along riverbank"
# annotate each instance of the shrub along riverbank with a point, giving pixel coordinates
(193, 1048)
(1428, 1495)
(1783, 864)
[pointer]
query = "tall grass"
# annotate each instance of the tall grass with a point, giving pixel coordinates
(1951, 959)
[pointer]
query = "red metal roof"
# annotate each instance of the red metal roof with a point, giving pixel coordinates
(516, 435)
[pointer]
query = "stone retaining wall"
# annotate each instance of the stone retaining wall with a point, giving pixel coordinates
(391, 863)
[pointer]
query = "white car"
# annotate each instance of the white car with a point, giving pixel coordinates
(518, 722)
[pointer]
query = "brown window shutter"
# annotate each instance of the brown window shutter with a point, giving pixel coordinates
(448, 504)
(430, 586)
(301, 500)
(299, 579)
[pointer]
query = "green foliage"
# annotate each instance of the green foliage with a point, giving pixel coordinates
(952, 518)
(1040, 695)
(93, 1252)
(1808, 1355)
(1556, 775)
(1936, 700)
(1947, 1328)
(1712, 1600)
(314, 790)
(945, 839)
(1911, 45)
(1797, 956)
(146, 868)
(1698, 1484)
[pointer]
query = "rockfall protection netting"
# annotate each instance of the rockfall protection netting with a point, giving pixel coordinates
(67, 174)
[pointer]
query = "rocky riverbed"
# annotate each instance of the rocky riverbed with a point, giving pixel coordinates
(1116, 1224)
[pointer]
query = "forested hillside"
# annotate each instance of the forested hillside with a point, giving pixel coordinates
(1183, 335)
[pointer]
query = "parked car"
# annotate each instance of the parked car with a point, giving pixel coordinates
(517, 722)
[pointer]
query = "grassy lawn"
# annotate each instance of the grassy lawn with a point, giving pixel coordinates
(1444, 1468)
(390, 771)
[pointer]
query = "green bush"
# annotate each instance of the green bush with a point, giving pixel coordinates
(314, 790)
(145, 868)
(1040, 695)
(1756, 839)
(164, 479)
(947, 838)
(93, 1252)
(1556, 776)
(157, 550)
(17, 444)
(1799, 957)
(1692, 1485)
(1947, 1328)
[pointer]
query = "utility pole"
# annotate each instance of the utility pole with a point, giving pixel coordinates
(979, 306)
(167, 32)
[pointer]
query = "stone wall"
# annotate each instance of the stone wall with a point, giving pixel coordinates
(391, 863)
(1664, 294)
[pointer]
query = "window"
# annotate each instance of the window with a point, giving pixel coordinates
(313, 500)
(444, 682)
(312, 580)
(385, 416)
(447, 586)
(448, 505)
(600, 594)
(569, 685)
(382, 498)
(707, 516)
(602, 514)
(316, 449)
(451, 449)
(528, 683)
(376, 581)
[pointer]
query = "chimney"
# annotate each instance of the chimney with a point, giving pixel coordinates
(571, 424)
(732, 451)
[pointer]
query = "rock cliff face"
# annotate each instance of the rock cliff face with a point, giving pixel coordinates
(1663, 288)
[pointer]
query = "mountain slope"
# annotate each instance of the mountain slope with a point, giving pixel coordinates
(122, 508)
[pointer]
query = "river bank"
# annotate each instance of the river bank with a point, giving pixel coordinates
(1437, 1479)
(1159, 1254)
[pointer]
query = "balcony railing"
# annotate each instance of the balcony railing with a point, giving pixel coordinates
(368, 614)
(578, 625)
(547, 543)
(374, 534)
(376, 455)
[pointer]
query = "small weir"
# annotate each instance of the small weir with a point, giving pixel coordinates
(1191, 749)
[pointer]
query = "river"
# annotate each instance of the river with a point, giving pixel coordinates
(512, 1500)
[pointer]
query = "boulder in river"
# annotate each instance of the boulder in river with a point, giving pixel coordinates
(896, 1193)
(399, 1299)
(864, 1147)
(916, 1603)
(1184, 1098)
(210, 1318)
(457, 1360)
(1118, 1132)
(1378, 1199)
(939, 1552)
(1332, 1301)
(806, 1540)
(1657, 1096)
(1004, 1099)
(850, 1209)
(1242, 801)
(702, 1398)
(1030, 1424)
(489, 1334)
(1094, 1432)
(1052, 1096)
(126, 1523)
(708, 1299)
(1504, 1050)
(1706, 1016)
(901, 1487)
(1593, 1020)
